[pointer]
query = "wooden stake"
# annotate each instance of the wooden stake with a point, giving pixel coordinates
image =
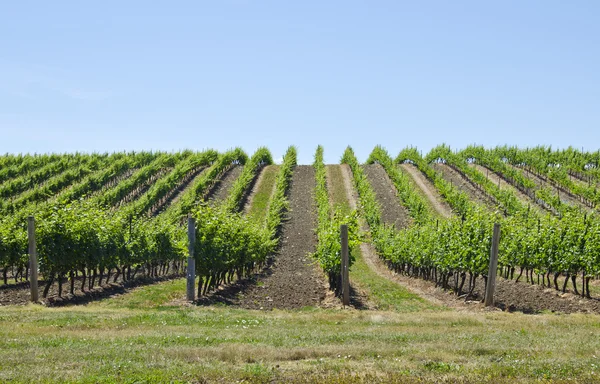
(345, 272)
(491, 280)
(191, 270)
(33, 260)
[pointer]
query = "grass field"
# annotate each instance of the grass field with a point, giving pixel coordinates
(150, 335)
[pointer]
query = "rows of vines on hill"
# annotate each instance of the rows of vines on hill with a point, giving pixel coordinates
(14, 166)
(82, 167)
(542, 195)
(28, 180)
(555, 169)
(103, 216)
(85, 236)
(433, 248)
(12, 227)
(439, 249)
(531, 243)
(90, 238)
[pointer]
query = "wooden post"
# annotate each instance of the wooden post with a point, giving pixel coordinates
(191, 267)
(33, 260)
(345, 272)
(491, 279)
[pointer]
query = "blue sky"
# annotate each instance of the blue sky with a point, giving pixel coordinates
(133, 75)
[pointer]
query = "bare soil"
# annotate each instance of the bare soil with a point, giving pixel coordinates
(292, 279)
(220, 190)
(463, 185)
(392, 212)
(19, 294)
(428, 189)
(173, 195)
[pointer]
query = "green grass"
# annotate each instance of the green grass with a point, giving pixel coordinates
(135, 341)
(384, 293)
(260, 201)
(154, 296)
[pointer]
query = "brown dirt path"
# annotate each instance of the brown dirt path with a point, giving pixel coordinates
(392, 213)
(463, 184)
(293, 280)
(173, 195)
(429, 190)
(220, 190)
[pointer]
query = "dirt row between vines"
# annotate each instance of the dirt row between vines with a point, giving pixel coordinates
(19, 293)
(436, 201)
(463, 185)
(175, 194)
(292, 279)
(392, 212)
(509, 295)
(565, 196)
(503, 184)
(221, 188)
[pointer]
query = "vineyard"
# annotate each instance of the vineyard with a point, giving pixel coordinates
(267, 236)
(113, 218)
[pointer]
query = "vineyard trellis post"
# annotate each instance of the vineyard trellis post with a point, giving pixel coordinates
(191, 262)
(345, 272)
(491, 279)
(33, 260)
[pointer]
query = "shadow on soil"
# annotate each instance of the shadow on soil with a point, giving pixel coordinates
(357, 300)
(106, 291)
(97, 293)
(229, 294)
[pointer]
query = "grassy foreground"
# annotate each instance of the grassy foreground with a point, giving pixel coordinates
(146, 336)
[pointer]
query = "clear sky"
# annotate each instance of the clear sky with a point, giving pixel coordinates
(132, 75)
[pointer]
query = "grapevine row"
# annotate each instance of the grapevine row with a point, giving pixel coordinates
(329, 249)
